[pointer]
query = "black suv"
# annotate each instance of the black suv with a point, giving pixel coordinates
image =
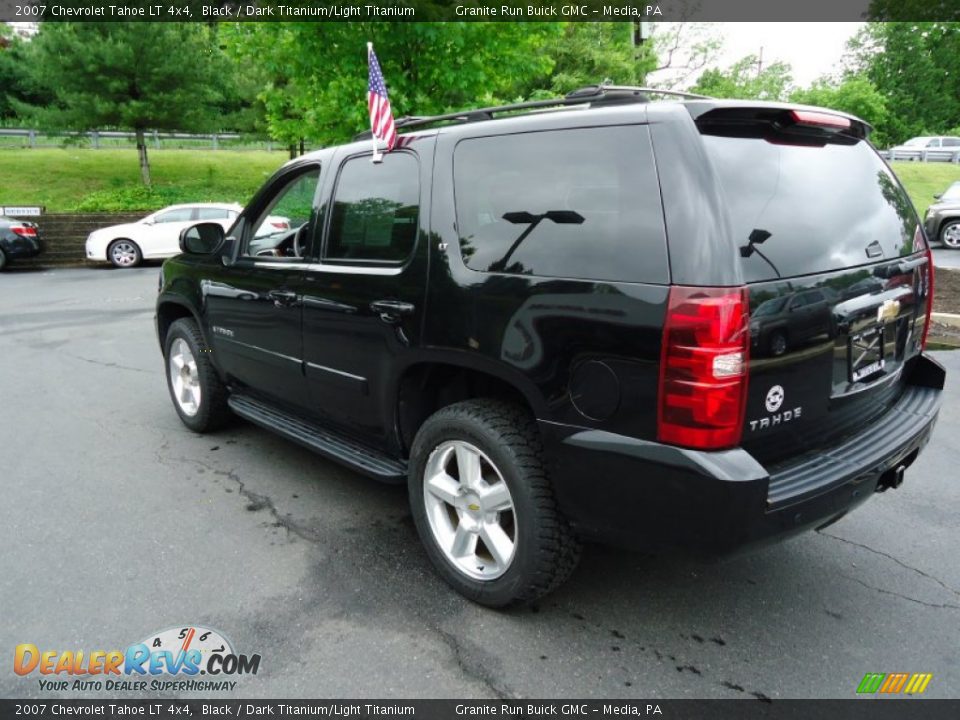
(541, 322)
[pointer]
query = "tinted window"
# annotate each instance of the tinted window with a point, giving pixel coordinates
(825, 207)
(178, 215)
(213, 214)
(581, 203)
(951, 142)
(289, 209)
(375, 209)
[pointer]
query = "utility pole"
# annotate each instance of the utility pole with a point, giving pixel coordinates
(760, 61)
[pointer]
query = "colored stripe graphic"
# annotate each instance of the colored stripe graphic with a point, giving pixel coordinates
(918, 683)
(871, 683)
(893, 683)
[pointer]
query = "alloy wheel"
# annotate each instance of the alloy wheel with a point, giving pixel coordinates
(470, 510)
(184, 378)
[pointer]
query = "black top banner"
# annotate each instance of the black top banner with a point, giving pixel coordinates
(477, 11)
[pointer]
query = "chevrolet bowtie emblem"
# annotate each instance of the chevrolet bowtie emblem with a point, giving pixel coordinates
(888, 311)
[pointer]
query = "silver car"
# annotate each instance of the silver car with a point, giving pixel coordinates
(942, 220)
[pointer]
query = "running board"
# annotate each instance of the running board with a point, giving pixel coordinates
(332, 445)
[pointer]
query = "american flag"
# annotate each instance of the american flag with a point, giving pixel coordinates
(381, 116)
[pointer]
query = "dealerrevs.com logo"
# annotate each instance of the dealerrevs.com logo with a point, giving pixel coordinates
(183, 653)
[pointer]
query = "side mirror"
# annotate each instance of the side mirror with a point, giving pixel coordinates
(938, 196)
(202, 239)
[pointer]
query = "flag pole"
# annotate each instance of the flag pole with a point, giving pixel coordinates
(377, 157)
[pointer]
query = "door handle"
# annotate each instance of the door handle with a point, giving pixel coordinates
(391, 311)
(283, 298)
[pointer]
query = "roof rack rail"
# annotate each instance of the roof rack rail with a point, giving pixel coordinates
(590, 95)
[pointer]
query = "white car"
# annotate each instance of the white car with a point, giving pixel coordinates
(155, 236)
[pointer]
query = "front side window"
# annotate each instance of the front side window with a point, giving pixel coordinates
(280, 228)
(581, 203)
(375, 209)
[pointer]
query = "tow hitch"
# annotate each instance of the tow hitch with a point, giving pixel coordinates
(892, 478)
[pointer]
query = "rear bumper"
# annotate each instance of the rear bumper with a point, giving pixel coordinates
(641, 494)
(21, 247)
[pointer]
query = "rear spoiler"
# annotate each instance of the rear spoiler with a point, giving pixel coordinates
(752, 119)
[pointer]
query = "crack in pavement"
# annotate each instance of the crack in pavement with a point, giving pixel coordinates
(256, 501)
(898, 561)
(938, 606)
(108, 364)
(470, 667)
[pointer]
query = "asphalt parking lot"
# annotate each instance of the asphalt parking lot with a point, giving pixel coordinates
(116, 522)
(946, 258)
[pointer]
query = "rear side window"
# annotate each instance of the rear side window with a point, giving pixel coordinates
(825, 206)
(213, 214)
(375, 209)
(178, 215)
(581, 203)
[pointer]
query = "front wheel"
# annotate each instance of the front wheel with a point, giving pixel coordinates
(484, 507)
(124, 253)
(950, 235)
(198, 394)
(3, 259)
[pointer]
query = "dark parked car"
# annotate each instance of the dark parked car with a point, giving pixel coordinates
(791, 320)
(18, 239)
(942, 219)
(541, 323)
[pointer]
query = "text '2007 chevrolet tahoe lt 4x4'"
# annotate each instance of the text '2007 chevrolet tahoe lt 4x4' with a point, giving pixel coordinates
(697, 324)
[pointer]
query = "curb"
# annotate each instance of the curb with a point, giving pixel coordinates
(946, 318)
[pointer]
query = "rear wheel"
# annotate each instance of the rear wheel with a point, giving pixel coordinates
(778, 343)
(950, 234)
(124, 253)
(3, 259)
(483, 505)
(198, 394)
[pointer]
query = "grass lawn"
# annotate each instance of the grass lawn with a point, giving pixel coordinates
(81, 179)
(923, 180)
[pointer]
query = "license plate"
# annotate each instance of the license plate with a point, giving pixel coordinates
(865, 353)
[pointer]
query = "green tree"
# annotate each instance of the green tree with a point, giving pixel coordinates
(587, 53)
(746, 80)
(855, 95)
(316, 73)
(135, 76)
(15, 85)
(915, 66)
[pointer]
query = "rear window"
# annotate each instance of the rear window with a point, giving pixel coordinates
(581, 203)
(826, 206)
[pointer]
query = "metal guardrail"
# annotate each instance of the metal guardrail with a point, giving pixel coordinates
(97, 139)
(924, 155)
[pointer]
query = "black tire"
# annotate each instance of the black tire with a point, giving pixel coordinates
(546, 549)
(777, 343)
(948, 234)
(212, 410)
(3, 259)
(132, 251)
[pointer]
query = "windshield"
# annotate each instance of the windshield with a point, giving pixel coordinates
(952, 192)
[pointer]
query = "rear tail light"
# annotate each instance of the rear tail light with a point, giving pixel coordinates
(703, 367)
(920, 243)
(281, 225)
(27, 231)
